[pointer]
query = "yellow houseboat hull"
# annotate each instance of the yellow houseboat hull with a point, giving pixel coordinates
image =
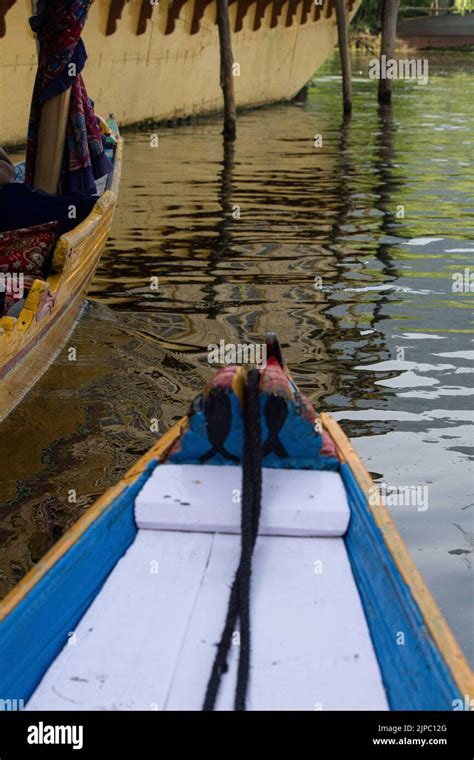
(162, 62)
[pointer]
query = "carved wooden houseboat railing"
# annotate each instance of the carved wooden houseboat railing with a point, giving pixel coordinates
(309, 10)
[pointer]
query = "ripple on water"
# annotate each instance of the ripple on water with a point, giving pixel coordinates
(348, 251)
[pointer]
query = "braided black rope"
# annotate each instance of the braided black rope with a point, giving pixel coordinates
(239, 599)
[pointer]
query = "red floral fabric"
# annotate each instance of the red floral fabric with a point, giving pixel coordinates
(28, 250)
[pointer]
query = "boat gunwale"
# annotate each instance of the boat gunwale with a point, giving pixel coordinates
(434, 620)
(22, 354)
(65, 244)
(64, 289)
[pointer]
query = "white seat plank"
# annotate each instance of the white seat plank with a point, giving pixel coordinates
(207, 498)
(310, 645)
(148, 640)
(127, 644)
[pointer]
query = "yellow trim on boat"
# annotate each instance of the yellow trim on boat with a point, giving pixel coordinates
(433, 617)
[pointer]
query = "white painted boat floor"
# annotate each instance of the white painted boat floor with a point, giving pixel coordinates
(148, 640)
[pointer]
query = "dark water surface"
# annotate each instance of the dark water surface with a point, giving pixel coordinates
(361, 298)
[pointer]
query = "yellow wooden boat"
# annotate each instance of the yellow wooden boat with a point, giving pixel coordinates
(30, 341)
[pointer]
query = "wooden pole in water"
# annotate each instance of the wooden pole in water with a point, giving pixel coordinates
(51, 139)
(343, 42)
(387, 47)
(227, 62)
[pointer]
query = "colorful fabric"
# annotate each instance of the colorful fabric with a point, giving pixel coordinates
(62, 56)
(110, 131)
(84, 159)
(28, 251)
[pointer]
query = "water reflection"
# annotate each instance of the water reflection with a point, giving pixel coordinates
(274, 233)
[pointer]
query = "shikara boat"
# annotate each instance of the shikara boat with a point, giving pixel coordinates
(125, 612)
(30, 340)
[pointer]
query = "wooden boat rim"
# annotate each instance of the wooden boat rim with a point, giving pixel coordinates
(65, 243)
(432, 615)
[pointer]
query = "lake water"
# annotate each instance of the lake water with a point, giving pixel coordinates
(349, 251)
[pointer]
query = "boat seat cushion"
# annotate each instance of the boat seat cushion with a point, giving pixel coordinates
(28, 251)
(21, 206)
(206, 498)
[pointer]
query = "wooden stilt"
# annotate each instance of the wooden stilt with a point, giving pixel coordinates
(344, 54)
(387, 47)
(51, 139)
(226, 74)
